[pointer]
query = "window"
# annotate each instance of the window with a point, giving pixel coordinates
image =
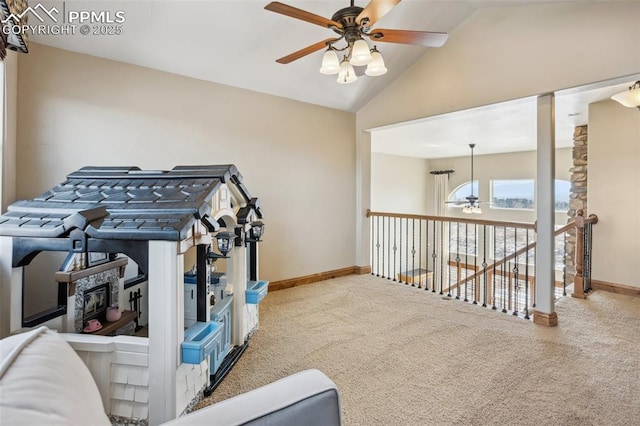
(513, 194)
(519, 194)
(563, 188)
(463, 191)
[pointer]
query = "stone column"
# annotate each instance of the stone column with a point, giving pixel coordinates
(578, 193)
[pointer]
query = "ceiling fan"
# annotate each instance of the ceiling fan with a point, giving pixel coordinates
(353, 24)
(472, 205)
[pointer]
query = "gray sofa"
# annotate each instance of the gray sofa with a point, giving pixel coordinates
(43, 381)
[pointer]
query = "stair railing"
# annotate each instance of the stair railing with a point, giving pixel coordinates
(584, 248)
(485, 262)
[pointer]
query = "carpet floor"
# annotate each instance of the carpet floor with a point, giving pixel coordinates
(403, 356)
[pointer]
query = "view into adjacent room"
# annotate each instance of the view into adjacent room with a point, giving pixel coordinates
(478, 167)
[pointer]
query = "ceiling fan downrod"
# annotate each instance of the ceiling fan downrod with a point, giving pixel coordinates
(472, 145)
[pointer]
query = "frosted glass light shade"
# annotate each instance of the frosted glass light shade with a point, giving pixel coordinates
(629, 98)
(330, 63)
(360, 54)
(376, 66)
(347, 74)
(468, 208)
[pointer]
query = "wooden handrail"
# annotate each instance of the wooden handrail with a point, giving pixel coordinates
(522, 225)
(565, 228)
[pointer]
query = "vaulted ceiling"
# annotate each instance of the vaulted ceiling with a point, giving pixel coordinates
(237, 42)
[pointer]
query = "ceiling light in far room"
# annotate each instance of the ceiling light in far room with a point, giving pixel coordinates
(629, 98)
(471, 209)
(473, 205)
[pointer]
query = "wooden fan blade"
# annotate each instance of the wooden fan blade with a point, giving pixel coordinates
(375, 10)
(422, 38)
(294, 12)
(304, 52)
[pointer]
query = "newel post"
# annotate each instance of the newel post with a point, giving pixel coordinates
(578, 281)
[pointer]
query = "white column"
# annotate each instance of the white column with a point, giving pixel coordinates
(10, 290)
(237, 275)
(363, 199)
(8, 138)
(545, 213)
(6, 244)
(166, 276)
(8, 124)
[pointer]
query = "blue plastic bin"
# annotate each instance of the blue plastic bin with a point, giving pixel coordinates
(256, 291)
(200, 341)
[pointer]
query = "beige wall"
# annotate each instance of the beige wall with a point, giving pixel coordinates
(614, 188)
(399, 184)
(76, 110)
(515, 165)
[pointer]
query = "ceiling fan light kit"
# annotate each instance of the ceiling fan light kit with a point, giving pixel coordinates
(330, 63)
(629, 98)
(376, 66)
(468, 208)
(353, 24)
(347, 73)
(360, 54)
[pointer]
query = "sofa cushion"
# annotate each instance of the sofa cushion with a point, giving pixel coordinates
(307, 398)
(43, 381)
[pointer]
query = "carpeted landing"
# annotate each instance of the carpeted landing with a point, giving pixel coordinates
(403, 356)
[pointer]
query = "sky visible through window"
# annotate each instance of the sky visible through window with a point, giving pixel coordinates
(463, 191)
(514, 193)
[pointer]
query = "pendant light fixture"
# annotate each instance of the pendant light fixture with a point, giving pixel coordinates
(472, 205)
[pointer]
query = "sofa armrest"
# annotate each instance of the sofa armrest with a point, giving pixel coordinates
(307, 398)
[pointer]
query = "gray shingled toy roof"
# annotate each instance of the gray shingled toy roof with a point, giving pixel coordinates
(141, 204)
